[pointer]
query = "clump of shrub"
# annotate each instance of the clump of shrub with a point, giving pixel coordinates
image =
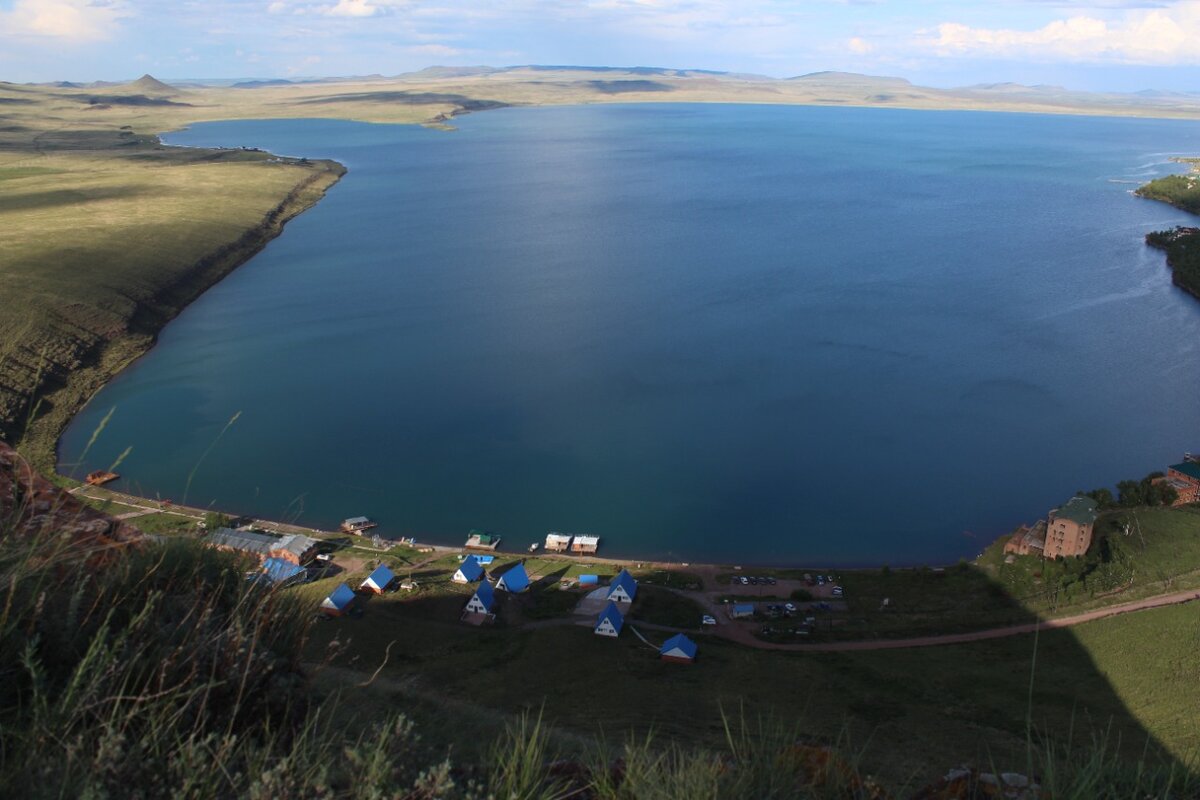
(1149, 491)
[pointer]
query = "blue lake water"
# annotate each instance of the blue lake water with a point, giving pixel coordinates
(742, 333)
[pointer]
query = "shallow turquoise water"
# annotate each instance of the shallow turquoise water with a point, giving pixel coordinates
(704, 332)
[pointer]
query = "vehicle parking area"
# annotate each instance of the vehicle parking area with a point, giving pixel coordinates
(776, 609)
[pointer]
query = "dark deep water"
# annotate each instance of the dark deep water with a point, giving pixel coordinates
(708, 332)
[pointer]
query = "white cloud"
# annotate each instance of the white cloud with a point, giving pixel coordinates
(68, 20)
(1144, 36)
(859, 46)
(353, 8)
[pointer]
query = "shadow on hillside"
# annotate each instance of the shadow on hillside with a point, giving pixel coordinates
(914, 713)
(409, 99)
(40, 201)
(550, 579)
(624, 87)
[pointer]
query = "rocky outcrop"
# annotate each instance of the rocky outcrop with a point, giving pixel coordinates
(33, 507)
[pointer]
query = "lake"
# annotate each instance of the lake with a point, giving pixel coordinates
(757, 334)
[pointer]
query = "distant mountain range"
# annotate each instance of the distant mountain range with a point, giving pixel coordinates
(148, 84)
(469, 88)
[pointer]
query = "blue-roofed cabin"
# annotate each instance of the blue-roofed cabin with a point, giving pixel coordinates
(339, 601)
(515, 580)
(589, 580)
(485, 561)
(679, 649)
(741, 610)
(283, 573)
(469, 571)
(610, 621)
(623, 588)
(483, 601)
(379, 580)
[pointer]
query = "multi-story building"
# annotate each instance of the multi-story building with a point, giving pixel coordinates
(1069, 528)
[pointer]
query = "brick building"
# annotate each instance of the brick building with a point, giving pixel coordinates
(1185, 479)
(1028, 540)
(293, 547)
(1069, 528)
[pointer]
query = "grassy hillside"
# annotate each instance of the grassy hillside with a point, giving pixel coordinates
(172, 663)
(104, 235)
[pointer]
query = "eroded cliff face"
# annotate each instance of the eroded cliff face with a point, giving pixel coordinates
(31, 506)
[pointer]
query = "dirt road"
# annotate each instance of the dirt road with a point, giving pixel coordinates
(744, 635)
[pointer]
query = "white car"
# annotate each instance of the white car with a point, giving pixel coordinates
(707, 620)
(789, 607)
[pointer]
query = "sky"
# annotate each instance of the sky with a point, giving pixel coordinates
(1098, 45)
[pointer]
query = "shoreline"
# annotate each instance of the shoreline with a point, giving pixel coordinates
(40, 442)
(67, 395)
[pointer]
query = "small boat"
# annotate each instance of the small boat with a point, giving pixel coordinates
(100, 477)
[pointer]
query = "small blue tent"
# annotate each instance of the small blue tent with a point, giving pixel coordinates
(469, 571)
(339, 600)
(379, 580)
(623, 587)
(610, 621)
(483, 601)
(678, 648)
(515, 580)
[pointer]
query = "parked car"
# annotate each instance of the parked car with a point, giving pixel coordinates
(745, 580)
(820, 580)
(708, 620)
(771, 581)
(837, 591)
(789, 606)
(324, 558)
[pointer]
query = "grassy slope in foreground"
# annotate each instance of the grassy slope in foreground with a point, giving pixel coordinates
(1182, 245)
